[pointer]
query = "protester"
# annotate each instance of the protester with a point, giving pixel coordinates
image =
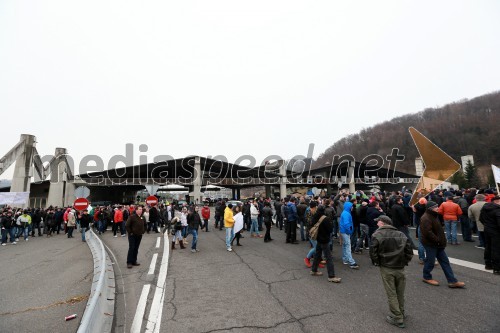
(325, 230)
(194, 222)
(229, 224)
(346, 229)
(450, 212)
(205, 214)
(434, 241)
(135, 226)
(490, 218)
(391, 250)
(267, 215)
(474, 213)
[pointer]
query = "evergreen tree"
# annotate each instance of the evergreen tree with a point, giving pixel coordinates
(471, 175)
(459, 179)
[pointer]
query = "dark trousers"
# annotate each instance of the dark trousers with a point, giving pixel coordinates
(267, 236)
(323, 248)
(291, 231)
(466, 229)
(492, 249)
(205, 224)
(248, 222)
(237, 236)
(36, 226)
(133, 248)
(279, 221)
(116, 226)
(70, 231)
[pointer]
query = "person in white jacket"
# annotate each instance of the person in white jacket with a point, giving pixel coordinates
(254, 214)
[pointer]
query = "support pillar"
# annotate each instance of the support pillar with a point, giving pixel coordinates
(283, 180)
(233, 194)
(238, 193)
(57, 180)
(350, 178)
(197, 195)
(22, 178)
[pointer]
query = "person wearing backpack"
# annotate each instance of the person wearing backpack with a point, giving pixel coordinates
(323, 237)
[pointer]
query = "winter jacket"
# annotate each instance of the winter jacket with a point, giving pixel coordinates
(371, 214)
(194, 220)
(154, 215)
(24, 220)
(6, 222)
(390, 248)
(490, 217)
(346, 225)
(301, 211)
(85, 220)
(118, 216)
(228, 218)
(450, 211)
(325, 229)
(254, 212)
(71, 219)
(135, 225)
(292, 212)
(205, 213)
(267, 215)
(474, 213)
(399, 216)
(431, 230)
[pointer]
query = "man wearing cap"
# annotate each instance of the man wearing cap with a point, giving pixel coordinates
(474, 212)
(490, 217)
(391, 250)
(434, 241)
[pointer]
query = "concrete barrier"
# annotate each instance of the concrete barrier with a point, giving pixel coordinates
(98, 316)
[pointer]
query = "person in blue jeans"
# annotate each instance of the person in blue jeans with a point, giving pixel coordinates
(346, 230)
(434, 241)
(194, 222)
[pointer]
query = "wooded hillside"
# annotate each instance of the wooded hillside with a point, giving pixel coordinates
(467, 127)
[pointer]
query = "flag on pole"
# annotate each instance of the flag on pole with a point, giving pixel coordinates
(496, 173)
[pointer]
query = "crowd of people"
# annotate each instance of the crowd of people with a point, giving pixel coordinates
(376, 222)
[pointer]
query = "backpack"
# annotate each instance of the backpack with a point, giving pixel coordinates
(313, 232)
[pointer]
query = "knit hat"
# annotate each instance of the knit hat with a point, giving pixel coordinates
(422, 201)
(430, 205)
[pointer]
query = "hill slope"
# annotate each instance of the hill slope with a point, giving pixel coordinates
(467, 127)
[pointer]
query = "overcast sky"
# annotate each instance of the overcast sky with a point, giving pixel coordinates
(233, 77)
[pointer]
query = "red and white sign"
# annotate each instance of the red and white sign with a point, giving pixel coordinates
(81, 204)
(152, 200)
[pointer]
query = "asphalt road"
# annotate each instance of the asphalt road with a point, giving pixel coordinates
(43, 281)
(258, 287)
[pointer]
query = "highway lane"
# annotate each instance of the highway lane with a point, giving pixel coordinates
(42, 281)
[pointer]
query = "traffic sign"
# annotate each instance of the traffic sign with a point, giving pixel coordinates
(152, 200)
(82, 192)
(81, 204)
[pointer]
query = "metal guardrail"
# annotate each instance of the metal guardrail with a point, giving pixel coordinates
(98, 315)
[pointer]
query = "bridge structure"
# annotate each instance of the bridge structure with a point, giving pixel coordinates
(55, 183)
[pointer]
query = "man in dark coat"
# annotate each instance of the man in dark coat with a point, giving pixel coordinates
(391, 250)
(136, 227)
(490, 217)
(434, 241)
(323, 239)
(400, 218)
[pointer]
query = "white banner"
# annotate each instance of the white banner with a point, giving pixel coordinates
(496, 173)
(14, 198)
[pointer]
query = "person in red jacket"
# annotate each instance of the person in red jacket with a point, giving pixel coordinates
(118, 221)
(205, 215)
(450, 211)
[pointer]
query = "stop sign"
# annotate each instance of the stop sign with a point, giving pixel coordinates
(81, 204)
(152, 200)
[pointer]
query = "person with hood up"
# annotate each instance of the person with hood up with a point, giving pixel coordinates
(490, 218)
(434, 241)
(346, 229)
(71, 223)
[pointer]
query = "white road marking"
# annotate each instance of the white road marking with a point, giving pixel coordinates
(412, 228)
(154, 319)
(141, 307)
(468, 264)
(153, 264)
(158, 240)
